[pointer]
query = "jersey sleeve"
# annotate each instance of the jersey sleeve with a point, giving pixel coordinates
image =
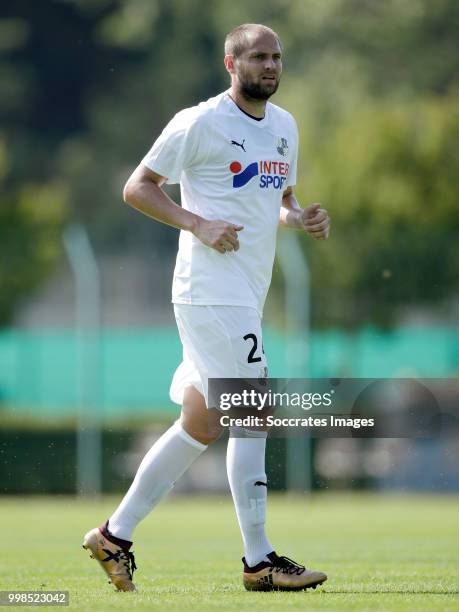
(180, 146)
(291, 179)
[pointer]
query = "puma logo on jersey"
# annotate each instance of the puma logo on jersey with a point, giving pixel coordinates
(239, 144)
(260, 484)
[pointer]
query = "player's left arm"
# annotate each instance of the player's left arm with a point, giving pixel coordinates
(313, 219)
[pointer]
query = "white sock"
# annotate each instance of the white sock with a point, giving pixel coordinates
(245, 462)
(164, 463)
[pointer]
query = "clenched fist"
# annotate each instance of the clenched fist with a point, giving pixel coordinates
(219, 235)
(315, 221)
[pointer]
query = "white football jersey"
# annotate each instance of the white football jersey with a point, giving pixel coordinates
(233, 168)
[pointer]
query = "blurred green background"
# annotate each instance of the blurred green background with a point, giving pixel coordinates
(86, 87)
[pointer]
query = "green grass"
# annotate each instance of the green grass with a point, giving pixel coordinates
(380, 552)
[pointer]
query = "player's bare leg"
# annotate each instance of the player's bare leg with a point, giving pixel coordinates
(199, 422)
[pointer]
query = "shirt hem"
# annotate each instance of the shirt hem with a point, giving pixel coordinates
(215, 302)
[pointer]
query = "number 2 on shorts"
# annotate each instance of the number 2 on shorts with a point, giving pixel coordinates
(253, 350)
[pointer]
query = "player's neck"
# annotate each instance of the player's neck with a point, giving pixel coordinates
(256, 108)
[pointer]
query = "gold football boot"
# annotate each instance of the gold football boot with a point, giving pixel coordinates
(280, 574)
(113, 555)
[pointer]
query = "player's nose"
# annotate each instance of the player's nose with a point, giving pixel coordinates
(270, 65)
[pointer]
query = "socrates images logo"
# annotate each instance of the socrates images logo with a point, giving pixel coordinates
(272, 173)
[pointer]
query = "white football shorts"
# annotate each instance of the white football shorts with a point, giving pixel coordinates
(218, 342)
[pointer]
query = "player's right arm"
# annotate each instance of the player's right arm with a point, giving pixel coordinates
(143, 191)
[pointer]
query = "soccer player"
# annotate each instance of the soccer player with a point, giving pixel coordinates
(235, 156)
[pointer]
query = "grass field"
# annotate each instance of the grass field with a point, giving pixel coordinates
(380, 552)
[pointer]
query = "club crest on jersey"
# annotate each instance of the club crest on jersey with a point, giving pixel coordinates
(272, 173)
(282, 146)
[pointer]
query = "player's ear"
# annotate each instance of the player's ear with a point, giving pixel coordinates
(229, 63)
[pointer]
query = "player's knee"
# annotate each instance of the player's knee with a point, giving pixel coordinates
(199, 422)
(204, 433)
(209, 438)
(205, 436)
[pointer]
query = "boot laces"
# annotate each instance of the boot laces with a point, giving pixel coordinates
(288, 566)
(128, 562)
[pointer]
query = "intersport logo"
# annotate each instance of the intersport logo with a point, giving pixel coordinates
(272, 173)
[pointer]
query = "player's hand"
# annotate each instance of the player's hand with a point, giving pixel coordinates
(218, 235)
(315, 221)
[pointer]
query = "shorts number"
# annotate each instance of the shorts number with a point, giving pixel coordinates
(251, 358)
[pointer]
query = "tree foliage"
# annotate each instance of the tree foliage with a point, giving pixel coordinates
(88, 84)
(387, 172)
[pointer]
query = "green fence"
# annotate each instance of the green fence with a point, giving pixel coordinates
(40, 373)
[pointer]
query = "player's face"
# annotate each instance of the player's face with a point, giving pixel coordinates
(259, 67)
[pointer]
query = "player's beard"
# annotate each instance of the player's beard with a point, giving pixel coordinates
(253, 90)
